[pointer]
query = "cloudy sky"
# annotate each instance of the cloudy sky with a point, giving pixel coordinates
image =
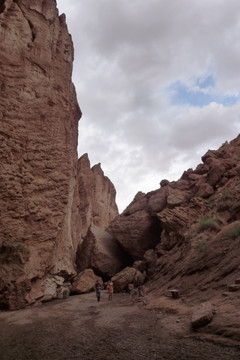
(158, 82)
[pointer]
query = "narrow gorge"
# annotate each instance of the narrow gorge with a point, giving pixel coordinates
(60, 225)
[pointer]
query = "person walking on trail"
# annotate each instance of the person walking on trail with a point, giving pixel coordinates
(110, 290)
(98, 290)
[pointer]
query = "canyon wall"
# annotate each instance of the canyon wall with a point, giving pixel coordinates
(49, 198)
(94, 199)
(186, 234)
(58, 215)
(39, 117)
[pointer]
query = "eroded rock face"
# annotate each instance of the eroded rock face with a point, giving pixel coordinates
(39, 117)
(136, 232)
(95, 199)
(101, 252)
(197, 231)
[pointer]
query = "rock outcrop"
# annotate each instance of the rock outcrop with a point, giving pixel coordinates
(95, 199)
(101, 252)
(203, 315)
(186, 234)
(124, 278)
(136, 232)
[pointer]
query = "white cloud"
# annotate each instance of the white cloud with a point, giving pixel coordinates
(127, 53)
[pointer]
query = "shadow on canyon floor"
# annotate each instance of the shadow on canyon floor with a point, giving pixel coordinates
(126, 328)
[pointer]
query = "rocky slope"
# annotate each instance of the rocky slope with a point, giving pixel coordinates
(186, 234)
(191, 230)
(49, 199)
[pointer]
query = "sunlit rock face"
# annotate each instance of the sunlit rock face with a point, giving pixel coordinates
(39, 117)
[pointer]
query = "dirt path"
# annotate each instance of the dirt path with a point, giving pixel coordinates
(81, 328)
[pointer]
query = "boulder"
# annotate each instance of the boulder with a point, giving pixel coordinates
(203, 189)
(175, 198)
(158, 199)
(140, 278)
(123, 278)
(218, 162)
(203, 315)
(101, 252)
(150, 256)
(84, 282)
(164, 182)
(136, 232)
(48, 288)
(139, 265)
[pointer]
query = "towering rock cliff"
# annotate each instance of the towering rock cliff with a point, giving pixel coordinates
(53, 208)
(39, 117)
(49, 199)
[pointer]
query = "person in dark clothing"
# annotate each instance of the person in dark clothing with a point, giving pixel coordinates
(98, 290)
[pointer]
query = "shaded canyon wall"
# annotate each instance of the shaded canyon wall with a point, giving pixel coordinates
(46, 206)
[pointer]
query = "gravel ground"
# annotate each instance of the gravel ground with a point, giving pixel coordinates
(81, 328)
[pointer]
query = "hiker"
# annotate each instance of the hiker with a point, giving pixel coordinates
(98, 290)
(110, 290)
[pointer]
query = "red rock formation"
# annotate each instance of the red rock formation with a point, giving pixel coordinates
(49, 199)
(39, 117)
(95, 207)
(95, 198)
(136, 232)
(197, 228)
(101, 252)
(84, 282)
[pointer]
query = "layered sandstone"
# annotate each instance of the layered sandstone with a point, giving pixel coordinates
(39, 117)
(196, 220)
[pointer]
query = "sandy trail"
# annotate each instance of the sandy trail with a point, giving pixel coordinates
(81, 328)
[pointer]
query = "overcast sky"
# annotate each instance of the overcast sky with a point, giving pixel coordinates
(158, 83)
